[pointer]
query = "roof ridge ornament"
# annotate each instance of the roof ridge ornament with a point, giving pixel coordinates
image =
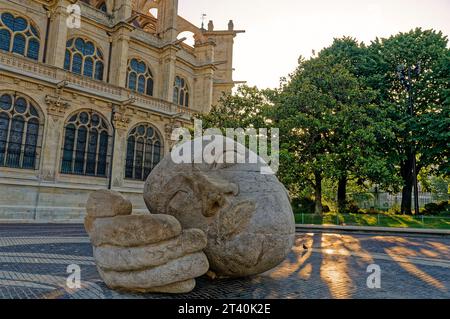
(230, 25)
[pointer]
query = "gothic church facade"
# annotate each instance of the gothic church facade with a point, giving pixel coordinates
(90, 92)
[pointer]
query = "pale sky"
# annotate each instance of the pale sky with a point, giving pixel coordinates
(278, 32)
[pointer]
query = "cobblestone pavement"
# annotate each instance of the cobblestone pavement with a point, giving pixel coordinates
(34, 261)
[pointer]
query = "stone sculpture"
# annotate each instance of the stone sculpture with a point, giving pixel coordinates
(246, 215)
(148, 253)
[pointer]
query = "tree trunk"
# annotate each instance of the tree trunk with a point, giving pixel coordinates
(408, 181)
(342, 193)
(318, 193)
(407, 199)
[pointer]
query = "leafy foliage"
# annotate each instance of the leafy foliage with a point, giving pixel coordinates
(344, 116)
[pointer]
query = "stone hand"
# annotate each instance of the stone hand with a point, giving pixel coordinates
(148, 253)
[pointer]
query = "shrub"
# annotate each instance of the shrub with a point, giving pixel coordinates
(304, 205)
(394, 210)
(431, 209)
(442, 208)
(353, 208)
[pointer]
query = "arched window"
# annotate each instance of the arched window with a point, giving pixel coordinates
(181, 92)
(83, 57)
(19, 35)
(139, 77)
(144, 152)
(86, 145)
(102, 6)
(19, 132)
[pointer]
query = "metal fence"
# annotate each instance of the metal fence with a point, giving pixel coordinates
(386, 201)
(375, 220)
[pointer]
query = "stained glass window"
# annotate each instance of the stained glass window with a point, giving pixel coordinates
(15, 142)
(102, 149)
(77, 63)
(29, 157)
(33, 49)
(4, 128)
(139, 77)
(102, 7)
(19, 132)
(99, 70)
(19, 35)
(144, 149)
(83, 57)
(86, 140)
(181, 92)
(88, 67)
(19, 44)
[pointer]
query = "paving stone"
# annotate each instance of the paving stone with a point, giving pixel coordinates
(34, 260)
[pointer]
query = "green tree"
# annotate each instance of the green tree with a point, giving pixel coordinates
(343, 115)
(363, 126)
(247, 108)
(328, 127)
(426, 133)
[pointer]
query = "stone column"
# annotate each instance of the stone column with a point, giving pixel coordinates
(54, 131)
(56, 46)
(168, 130)
(206, 103)
(121, 123)
(167, 20)
(119, 56)
(168, 73)
(122, 9)
(203, 97)
(223, 51)
(109, 6)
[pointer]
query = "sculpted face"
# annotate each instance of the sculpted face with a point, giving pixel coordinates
(246, 215)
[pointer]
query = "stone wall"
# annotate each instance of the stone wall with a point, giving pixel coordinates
(46, 202)
(45, 193)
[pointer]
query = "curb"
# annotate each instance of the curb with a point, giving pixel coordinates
(298, 227)
(41, 222)
(418, 231)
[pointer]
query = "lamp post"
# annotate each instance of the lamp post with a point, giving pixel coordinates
(406, 80)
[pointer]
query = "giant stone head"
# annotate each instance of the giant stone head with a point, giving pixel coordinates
(245, 212)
